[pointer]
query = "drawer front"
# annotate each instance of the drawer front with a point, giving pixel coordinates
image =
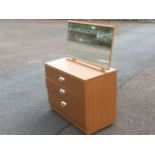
(65, 94)
(64, 79)
(68, 109)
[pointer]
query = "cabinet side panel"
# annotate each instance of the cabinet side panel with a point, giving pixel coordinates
(100, 97)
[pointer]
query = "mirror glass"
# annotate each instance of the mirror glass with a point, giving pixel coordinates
(90, 42)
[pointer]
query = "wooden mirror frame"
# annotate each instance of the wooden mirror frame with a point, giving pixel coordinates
(89, 63)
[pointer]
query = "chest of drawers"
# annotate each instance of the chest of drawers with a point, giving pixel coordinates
(84, 96)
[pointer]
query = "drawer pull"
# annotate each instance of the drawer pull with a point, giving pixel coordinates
(62, 91)
(63, 104)
(61, 79)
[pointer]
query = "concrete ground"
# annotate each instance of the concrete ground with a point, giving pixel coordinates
(25, 45)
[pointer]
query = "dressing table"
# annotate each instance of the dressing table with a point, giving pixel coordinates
(82, 86)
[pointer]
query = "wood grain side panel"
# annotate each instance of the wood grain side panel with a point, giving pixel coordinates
(100, 96)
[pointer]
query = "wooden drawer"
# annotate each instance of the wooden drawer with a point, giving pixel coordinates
(69, 96)
(69, 82)
(71, 111)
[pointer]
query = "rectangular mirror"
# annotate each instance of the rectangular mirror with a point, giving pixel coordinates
(90, 42)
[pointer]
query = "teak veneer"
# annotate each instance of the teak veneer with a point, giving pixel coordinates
(84, 96)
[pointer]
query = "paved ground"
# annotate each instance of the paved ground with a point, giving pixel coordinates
(24, 47)
(23, 42)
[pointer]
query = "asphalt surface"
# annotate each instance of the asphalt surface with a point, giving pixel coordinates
(25, 45)
(24, 42)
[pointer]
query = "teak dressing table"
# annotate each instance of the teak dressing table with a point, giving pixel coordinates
(82, 92)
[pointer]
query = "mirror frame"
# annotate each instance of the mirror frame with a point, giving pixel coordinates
(97, 25)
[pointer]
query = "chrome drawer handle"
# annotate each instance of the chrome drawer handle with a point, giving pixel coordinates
(62, 91)
(63, 104)
(61, 79)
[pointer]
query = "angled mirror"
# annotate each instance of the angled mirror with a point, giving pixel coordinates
(90, 42)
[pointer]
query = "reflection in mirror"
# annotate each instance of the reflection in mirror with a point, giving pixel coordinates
(90, 42)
